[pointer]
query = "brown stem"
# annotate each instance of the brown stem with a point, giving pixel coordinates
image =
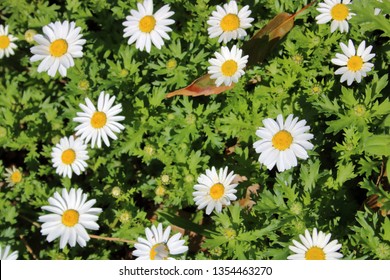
(381, 173)
(30, 221)
(115, 239)
(28, 247)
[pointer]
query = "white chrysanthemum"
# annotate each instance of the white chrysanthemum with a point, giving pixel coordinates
(145, 28)
(227, 66)
(377, 11)
(101, 123)
(228, 23)
(315, 247)
(60, 44)
(354, 63)
(71, 216)
(215, 190)
(69, 156)
(336, 11)
(13, 176)
(5, 254)
(158, 245)
(7, 44)
(282, 142)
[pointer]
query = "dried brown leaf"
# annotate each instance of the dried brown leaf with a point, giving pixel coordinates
(247, 201)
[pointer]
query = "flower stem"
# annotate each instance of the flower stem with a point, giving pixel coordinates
(28, 248)
(115, 239)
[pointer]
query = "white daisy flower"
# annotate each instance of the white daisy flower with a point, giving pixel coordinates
(336, 11)
(101, 123)
(228, 23)
(227, 66)
(69, 156)
(377, 11)
(6, 255)
(282, 142)
(315, 247)
(71, 216)
(7, 44)
(215, 190)
(58, 46)
(158, 245)
(145, 28)
(354, 63)
(13, 176)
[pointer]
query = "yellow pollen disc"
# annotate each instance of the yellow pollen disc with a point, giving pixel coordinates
(4, 41)
(147, 24)
(282, 140)
(355, 63)
(70, 218)
(360, 110)
(68, 156)
(217, 191)
(16, 177)
(230, 22)
(315, 253)
(58, 48)
(159, 252)
(339, 12)
(98, 120)
(229, 68)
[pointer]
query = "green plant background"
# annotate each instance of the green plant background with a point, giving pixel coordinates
(148, 174)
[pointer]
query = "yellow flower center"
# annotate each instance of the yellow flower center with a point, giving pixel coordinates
(355, 63)
(360, 110)
(98, 120)
(83, 85)
(230, 233)
(230, 22)
(29, 35)
(160, 191)
(58, 48)
(229, 68)
(68, 156)
(339, 12)
(171, 64)
(16, 177)
(4, 41)
(70, 217)
(282, 140)
(315, 253)
(217, 191)
(147, 24)
(159, 252)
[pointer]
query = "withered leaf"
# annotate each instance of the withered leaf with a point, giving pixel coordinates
(247, 201)
(258, 48)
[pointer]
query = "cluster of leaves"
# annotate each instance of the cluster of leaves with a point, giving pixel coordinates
(148, 174)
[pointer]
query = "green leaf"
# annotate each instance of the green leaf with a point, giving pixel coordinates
(185, 223)
(367, 20)
(310, 174)
(261, 233)
(386, 229)
(378, 145)
(338, 125)
(345, 173)
(386, 122)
